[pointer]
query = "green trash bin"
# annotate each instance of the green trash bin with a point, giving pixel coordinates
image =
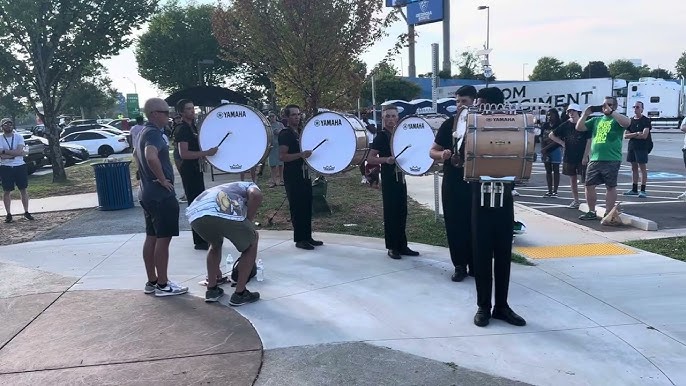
(113, 184)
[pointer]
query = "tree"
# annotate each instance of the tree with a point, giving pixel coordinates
(572, 70)
(623, 69)
(468, 64)
(548, 68)
(596, 69)
(390, 88)
(681, 65)
(91, 98)
(309, 48)
(11, 106)
(49, 44)
(177, 39)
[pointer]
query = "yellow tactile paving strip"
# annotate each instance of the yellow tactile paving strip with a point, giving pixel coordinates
(575, 250)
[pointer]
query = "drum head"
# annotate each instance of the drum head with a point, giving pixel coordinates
(337, 152)
(411, 143)
(247, 140)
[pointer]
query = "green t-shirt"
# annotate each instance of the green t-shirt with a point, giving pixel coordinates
(607, 135)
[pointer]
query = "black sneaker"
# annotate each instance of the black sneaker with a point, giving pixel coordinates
(394, 254)
(408, 252)
(482, 317)
(506, 314)
(315, 243)
(213, 294)
(460, 273)
(244, 298)
(8, 218)
(28, 216)
(304, 245)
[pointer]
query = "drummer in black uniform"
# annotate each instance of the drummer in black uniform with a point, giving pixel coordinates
(393, 188)
(297, 180)
(456, 193)
(492, 243)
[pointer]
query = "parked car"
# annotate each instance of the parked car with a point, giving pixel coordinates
(79, 128)
(78, 122)
(98, 142)
(71, 153)
(36, 156)
(119, 124)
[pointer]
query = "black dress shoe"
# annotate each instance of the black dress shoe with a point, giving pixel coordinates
(394, 254)
(315, 243)
(506, 314)
(482, 317)
(460, 274)
(202, 246)
(304, 245)
(408, 252)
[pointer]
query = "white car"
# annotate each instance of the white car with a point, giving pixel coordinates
(98, 142)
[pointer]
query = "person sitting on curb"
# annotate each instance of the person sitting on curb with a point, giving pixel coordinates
(228, 211)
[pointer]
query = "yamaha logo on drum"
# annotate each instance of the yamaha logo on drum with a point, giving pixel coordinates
(236, 167)
(328, 122)
(231, 114)
(501, 119)
(413, 126)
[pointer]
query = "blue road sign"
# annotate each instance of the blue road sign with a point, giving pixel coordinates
(425, 11)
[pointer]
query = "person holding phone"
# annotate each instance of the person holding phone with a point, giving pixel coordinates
(607, 132)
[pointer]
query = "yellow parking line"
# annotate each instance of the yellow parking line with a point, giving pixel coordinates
(575, 250)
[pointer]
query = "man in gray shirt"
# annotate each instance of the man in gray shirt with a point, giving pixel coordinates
(157, 198)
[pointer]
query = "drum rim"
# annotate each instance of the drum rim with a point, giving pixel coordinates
(267, 132)
(393, 152)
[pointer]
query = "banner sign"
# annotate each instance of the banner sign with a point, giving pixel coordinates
(425, 11)
(132, 107)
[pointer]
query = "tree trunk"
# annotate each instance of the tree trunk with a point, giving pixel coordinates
(52, 132)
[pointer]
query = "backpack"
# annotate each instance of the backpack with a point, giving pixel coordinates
(234, 271)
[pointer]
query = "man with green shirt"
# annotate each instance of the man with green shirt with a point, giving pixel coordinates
(607, 133)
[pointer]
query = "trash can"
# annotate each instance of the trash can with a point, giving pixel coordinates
(113, 184)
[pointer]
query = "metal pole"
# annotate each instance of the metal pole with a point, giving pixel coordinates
(412, 69)
(437, 208)
(374, 99)
(434, 76)
(446, 37)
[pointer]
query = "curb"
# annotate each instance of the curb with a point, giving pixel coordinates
(627, 219)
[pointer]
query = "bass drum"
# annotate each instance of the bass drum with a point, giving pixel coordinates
(339, 141)
(412, 140)
(242, 133)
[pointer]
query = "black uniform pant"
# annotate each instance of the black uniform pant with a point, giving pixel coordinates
(299, 193)
(492, 237)
(193, 185)
(394, 195)
(457, 215)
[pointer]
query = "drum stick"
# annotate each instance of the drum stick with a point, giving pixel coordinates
(406, 147)
(223, 139)
(320, 143)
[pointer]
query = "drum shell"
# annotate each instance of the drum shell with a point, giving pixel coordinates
(498, 146)
(434, 121)
(225, 161)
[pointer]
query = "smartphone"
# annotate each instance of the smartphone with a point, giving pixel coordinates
(596, 109)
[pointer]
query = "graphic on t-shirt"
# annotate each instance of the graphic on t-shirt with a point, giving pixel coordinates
(229, 206)
(602, 130)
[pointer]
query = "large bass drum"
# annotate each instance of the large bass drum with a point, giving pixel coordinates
(339, 142)
(242, 133)
(412, 140)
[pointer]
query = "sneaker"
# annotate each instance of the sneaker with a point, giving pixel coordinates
(549, 194)
(244, 298)
(515, 193)
(170, 289)
(574, 205)
(364, 181)
(642, 195)
(220, 281)
(8, 218)
(631, 193)
(682, 196)
(588, 216)
(554, 195)
(149, 288)
(213, 294)
(183, 198)
(28, 216)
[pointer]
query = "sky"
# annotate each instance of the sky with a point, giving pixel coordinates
(521, 31)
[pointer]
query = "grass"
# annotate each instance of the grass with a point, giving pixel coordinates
(674, 247)
(356, 210)
(80, 179)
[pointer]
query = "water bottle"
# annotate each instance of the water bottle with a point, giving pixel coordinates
(260, 270)
(229, 264)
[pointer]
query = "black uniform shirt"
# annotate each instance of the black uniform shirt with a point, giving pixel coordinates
(188, 133)
(292, 169)
(382, 144)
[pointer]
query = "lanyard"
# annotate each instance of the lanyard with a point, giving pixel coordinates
(8, 142)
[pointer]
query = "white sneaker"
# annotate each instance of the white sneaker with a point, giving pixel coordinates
(170, 289)
(682, 196)
(364, 181)
(515, 192)
(574, 205)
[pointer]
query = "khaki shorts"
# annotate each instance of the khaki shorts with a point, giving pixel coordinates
(214, 229)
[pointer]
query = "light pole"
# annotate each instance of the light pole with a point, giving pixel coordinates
(135, 89)
(488, 25)
(523, 71)
(207, 62)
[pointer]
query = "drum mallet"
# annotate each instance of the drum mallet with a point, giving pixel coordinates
(406, 147)
(320, 143)
(223, 139)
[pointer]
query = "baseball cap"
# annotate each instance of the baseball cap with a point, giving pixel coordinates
(5, 120)
(574, 106)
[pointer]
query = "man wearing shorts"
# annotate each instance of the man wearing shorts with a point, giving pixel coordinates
(607, 132)
(158, 199)
(640, 143)
(13, 169)
(228, 211)
(577, 145)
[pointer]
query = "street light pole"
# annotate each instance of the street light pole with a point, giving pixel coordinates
(135, 89)
(488, 25)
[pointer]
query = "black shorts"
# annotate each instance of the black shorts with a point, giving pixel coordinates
(638, 156)
(602, 172)
(14, 175)
(161, 217)
(573, 169)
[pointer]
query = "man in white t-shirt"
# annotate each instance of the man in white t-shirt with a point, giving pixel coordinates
(13, 169)
(683, 128)
(228, 211)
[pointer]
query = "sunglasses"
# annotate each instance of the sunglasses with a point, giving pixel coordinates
(637, 107)
(162, 112)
